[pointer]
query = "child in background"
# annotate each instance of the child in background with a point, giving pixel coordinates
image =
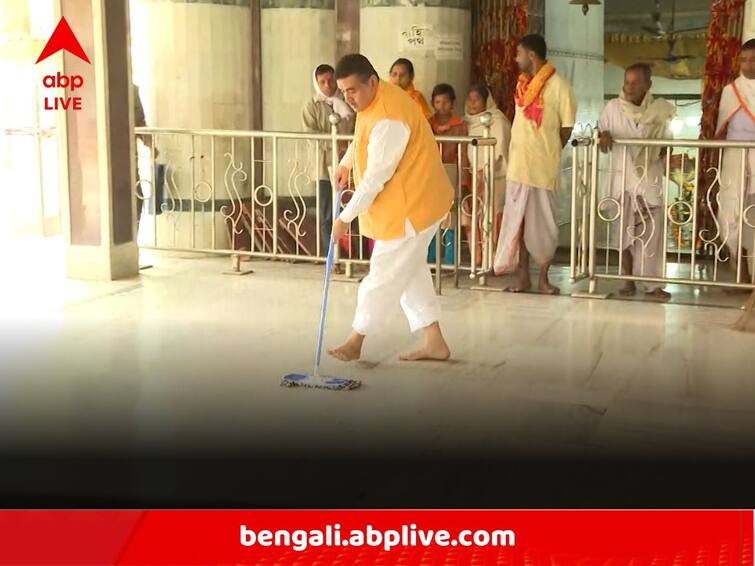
(445, 122)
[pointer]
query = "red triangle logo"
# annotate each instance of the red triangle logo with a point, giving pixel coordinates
(63, 38)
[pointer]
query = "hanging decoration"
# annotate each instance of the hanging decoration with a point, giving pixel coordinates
(721, 64)
(721, 67)
(497, 26)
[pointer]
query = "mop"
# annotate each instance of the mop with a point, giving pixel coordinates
(315, 379)
(746, 322)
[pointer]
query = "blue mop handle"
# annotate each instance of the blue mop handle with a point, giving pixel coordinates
(326, 288)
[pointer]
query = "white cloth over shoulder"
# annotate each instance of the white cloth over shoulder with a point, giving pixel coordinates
(636, 169)
(500, 129)
(337, 103)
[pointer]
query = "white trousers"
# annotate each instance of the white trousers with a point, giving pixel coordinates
(398, 274)
(729, 222)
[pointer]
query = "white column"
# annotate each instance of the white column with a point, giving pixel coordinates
(192, 62)
(297, 35)
(193, 67)
(443, 58)
(294, 41)
(575, 47)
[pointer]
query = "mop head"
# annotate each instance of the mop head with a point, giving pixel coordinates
(746, 322)
(322, 382)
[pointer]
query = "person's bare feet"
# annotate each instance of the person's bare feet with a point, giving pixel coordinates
(345, 353)
(524, 284)
(658, 294)
(547, 289)
(435, 347)
(628, 290)
(426, 353)
(544, 285)
(350, 350)
(439, 354)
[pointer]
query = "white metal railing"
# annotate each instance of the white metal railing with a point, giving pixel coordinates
(684, 210)
(257, 194)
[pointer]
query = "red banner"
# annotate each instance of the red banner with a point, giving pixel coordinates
(531, 538)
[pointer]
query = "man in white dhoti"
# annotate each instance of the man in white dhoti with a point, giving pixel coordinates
(402, 195)
(635, 181)
(736, 196)
(545, 114)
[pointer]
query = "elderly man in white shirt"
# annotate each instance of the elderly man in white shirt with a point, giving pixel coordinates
(636, 177)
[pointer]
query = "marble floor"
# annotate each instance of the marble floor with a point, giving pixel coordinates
(185, 359)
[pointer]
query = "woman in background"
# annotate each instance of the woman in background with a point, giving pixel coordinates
(402, 75)
(479, 101)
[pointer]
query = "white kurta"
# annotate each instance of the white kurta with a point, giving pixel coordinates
(740, 127)
(735, 120)
(385, 148)
(635, 184)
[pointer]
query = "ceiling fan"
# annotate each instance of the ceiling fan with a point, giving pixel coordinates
(671, 34)
(658, 29)
(671, 57)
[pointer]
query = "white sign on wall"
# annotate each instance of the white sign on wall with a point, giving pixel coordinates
(419, 37)
(449, 48)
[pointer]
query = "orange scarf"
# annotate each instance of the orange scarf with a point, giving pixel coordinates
(438, 128)
(529, 93)
(419, 99)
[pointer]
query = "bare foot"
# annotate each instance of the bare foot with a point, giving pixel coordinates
(346, 353)
(435, 347)
(524, 284)
(659, 294)
(547, 289)
(427, 353)
(350, 350)
(628, 290)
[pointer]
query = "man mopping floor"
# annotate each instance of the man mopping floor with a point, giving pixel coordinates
(402, 195)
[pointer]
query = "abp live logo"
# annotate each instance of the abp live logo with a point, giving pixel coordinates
(63, 38)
